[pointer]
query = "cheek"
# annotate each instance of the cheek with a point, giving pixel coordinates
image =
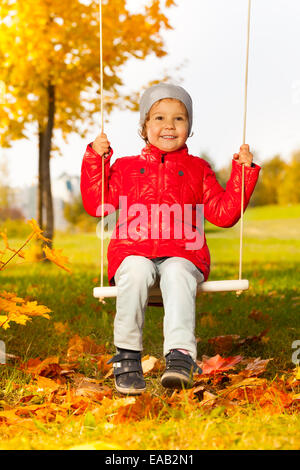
(152, 130)
(184, 132)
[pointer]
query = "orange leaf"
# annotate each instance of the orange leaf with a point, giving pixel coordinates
(145, 406)
(49, 367)
(102, 365)
(46, 385)
(218, 363)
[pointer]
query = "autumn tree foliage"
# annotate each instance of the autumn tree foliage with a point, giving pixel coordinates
(49, 75)
(278, 181)
(289, 189)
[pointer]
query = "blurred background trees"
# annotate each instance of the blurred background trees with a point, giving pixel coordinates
(278, 182)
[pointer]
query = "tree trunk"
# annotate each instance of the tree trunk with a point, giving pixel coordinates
(45, 165)
(39, 206)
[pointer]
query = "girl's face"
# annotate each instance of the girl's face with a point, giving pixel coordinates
(168, 125)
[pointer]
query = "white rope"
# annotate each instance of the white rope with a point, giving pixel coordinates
(102, 130)
(244, 141)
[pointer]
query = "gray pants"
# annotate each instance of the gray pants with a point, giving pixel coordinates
(178, 281)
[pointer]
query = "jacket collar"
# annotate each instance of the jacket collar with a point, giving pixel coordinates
(153, 151)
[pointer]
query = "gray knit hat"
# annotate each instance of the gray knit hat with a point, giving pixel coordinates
(162, 91)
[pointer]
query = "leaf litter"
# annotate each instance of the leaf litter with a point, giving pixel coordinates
(56, 390)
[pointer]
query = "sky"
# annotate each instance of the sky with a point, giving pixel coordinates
(206, 55)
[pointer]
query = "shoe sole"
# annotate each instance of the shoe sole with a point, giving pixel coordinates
(130, 390)
(176, 380)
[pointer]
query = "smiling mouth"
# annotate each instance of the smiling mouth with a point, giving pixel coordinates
(168, 137)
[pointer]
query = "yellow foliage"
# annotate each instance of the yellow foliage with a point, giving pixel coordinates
(31, 255)
(18, 310)
(57, 43)
(56, 257)
(37, 230)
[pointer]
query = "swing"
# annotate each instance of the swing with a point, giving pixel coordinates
(155, 297)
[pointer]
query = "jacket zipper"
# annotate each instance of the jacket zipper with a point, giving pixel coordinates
(160, 179)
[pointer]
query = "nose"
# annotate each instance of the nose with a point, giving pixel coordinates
(169, 124)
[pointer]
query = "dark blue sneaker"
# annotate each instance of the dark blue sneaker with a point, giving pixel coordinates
(179, 371)
(128, 372)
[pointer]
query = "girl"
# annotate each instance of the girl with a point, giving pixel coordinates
(151, 249)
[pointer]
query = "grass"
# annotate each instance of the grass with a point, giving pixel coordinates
(242, 431)
(270, 262)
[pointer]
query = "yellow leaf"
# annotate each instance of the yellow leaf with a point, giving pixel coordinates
(56, 257)
(4, 236)
(18, 310)
(37, 230)
(3, 322)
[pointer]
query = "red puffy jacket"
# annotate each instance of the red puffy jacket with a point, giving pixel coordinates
(177, 180)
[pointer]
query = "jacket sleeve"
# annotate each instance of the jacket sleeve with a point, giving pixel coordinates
(222, 207)
(91, 183)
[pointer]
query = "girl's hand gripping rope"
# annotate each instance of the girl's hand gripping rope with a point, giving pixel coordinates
(101, 145)
(244, 156)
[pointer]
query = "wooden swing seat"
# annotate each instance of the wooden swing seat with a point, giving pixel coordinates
(155, 297)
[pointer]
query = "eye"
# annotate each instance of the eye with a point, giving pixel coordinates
(159, 118)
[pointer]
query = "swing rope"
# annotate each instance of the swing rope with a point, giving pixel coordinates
(102, 130)
(244, 140)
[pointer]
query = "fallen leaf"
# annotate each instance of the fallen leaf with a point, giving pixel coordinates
(46, 385)
(255, 367)
(223, 344)
(254, 338)
(79, 346)
(145, 406)
(218, 364)
(92, 389)
(102, 365)
(151, 364)
(47, 367)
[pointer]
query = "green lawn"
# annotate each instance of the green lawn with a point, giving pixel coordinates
(271, 263)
